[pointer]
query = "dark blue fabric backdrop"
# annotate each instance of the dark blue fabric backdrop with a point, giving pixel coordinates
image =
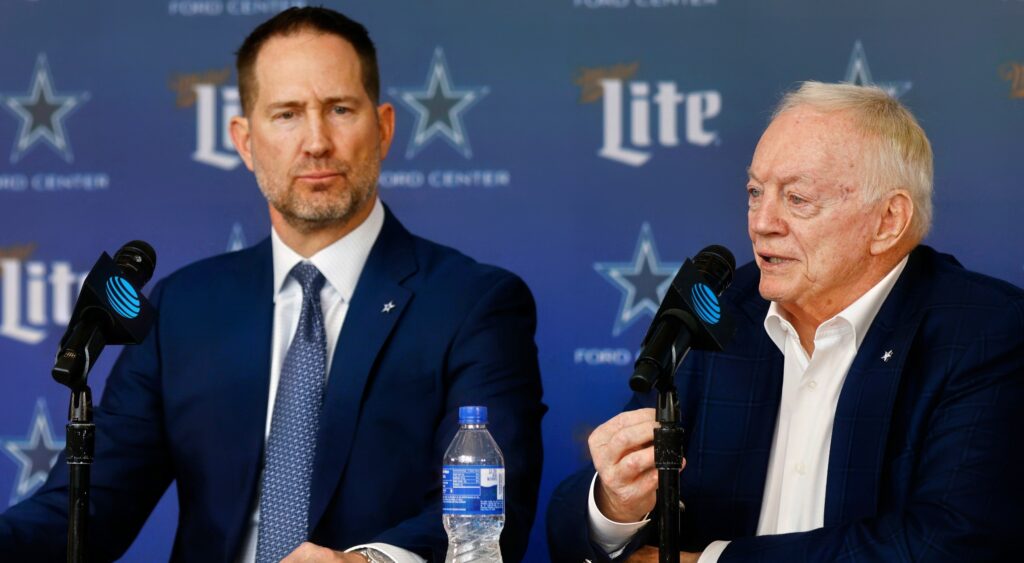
(588, 145)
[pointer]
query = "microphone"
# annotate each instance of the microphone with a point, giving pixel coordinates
(110, 310)
(690, 316)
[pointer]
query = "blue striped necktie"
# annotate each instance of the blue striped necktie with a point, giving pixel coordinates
(291, 447)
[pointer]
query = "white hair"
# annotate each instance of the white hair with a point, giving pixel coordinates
(899, 156)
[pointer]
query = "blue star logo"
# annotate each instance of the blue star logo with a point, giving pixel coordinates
(439, 108)
(643, 281)
(42, 112)
(236, 240)
(858, 72)
(35, 455)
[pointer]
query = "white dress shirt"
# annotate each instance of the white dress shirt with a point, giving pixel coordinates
(794, 493)
(341, 263)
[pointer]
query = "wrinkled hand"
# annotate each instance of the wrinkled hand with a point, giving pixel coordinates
(312, 553)
(648, 554)
(623, 454)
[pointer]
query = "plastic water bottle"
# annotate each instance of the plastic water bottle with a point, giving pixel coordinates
(473, 491)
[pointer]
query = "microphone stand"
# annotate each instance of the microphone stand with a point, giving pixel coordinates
(110, 310)
(81, 445)
(690, 317)
(74, 361)
(668, 437)
(668, 458)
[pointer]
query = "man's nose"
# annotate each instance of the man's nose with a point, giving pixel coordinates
(318, 139)
(766, 218)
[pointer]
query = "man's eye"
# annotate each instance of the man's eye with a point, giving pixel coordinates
(286, 115)
(753, 193)
(796, 200)
(340, 110)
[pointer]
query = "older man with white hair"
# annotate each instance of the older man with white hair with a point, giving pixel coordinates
(867, 407)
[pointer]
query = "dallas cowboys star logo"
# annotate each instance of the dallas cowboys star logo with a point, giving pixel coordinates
(858, 72)
(42, 112)
(643, 280)
(236, 241)
(35, 455)
(439, 107)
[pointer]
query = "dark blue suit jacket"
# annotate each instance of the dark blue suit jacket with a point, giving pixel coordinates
(190, 405)
(923, 464)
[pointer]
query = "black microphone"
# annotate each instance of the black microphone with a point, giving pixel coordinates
(110, 310)
(690, 317)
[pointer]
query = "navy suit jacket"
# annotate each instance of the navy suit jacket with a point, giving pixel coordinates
(923, 464)
(190, 405)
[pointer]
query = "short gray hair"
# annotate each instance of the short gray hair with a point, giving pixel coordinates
(901, 155)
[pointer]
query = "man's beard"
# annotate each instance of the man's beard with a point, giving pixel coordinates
(311, 213)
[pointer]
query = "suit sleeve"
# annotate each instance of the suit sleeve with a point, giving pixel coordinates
(130, 472)
(966, 493)
(569, 533)
(492, 361)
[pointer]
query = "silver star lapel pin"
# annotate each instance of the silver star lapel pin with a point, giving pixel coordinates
(388, 307)
(887, 356)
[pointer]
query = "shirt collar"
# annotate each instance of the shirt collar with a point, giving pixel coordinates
(341, 262)
(859, 314)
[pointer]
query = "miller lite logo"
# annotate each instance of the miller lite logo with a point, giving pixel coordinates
(34, 296)
(640, 115)
(1013, 72)
(216, 103)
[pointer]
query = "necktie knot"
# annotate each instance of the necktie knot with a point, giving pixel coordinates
(309, 277)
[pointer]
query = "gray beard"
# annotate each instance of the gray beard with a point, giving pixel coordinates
(307, 223)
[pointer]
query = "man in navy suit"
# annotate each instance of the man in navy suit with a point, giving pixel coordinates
(303, 391)
(868, 406)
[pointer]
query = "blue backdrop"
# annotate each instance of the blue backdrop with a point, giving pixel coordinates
(588, 145)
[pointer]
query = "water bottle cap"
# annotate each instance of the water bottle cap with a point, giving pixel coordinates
(472, 415)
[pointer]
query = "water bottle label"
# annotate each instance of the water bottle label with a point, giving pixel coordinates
(473, 489)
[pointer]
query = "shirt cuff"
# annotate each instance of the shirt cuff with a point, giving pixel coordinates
(397, 554)
(712, 552)
(611, 536)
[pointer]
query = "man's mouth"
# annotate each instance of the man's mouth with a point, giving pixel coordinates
(773, 259)
(319, 175)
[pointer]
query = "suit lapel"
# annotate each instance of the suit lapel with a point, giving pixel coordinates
(764, 401)
(861, 428)
(742, 386)
(251, 303)
(377, 304)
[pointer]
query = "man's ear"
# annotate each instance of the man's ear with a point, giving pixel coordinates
(386, 123)
(240, 137)
(896, 211)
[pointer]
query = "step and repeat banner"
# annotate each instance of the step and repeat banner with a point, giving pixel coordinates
(588, 145)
